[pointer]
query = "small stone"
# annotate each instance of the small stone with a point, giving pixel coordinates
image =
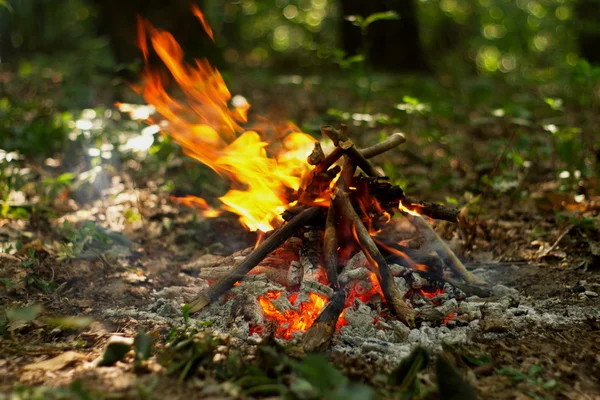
(590, 293)
(519, 312)
(401, 331)
(502, 291)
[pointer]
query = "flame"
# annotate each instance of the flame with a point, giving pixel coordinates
(292, 320)
(404, 209)
(196, 202)
(198, 14)
(358, 291)
(400, 253)
(208, 129)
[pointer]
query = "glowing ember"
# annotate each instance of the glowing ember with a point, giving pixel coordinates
(264, 180)
(431, 294)
(290, 321)
(448, 318)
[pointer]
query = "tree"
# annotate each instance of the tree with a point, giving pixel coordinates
(118, 22)
(587, 14)
(391, 44)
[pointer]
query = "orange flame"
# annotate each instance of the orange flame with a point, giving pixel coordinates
(433, 293)
(209, 130)
(196, 202)
(198, 14)
(293, 320)
(403, 208)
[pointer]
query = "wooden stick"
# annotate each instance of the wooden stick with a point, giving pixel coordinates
(319, 335)
(395, 140)
(317, 155)
(330, 248)
(382, 270)
(445, 253)
(432, 210)
(339, 139)
(224, 284)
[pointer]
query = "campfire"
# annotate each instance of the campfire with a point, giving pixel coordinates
(321, 258)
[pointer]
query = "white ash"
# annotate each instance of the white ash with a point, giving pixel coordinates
(348, 275)
(294, 273)
(403, 286)
(367, 334)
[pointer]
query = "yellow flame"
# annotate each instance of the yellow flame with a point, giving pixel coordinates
(208, 129)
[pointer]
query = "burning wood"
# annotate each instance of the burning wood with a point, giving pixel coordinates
(271, 243)
(376, 260)
(439, 246)
(318, 336)
(280, 178)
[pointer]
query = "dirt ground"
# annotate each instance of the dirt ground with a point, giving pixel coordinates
(568, 357)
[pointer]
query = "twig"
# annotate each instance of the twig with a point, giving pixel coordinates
(441, 248)
(555, 244)
(330, 248)
(432, 210)
(271, 243)
(339, 138)
(376, 260)
(319, 335)
(395, 140)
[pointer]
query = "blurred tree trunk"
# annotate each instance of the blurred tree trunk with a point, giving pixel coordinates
(587, 17)
(392, 45)
(118, 22)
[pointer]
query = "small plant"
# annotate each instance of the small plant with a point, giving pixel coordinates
(89, 240)
(360, 61)
(531, 379)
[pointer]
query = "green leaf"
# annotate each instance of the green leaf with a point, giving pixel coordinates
(6, 4)
(451, 383)
(534, 370)
(405, 375)
(555, 104)
(24, 314)
(116, 350)
(550, 384)
(356, 20)
(142, 346)
(380, 16)
(71, 322)
(512, 373)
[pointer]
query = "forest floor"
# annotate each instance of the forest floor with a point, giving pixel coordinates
(76, 247)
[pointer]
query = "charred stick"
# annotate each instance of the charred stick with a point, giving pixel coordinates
(339, 139)
(319, 335)
(271, 243)
(382, 270)
(432, 210)
(470, 289)
(316, 156)
(330, 159)
(445, 253)
(348, 171)
(291, 212)
(391, 142)
(330, 248)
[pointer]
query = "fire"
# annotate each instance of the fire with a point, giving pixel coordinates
(208, 128)
(298, 319)
(432, 293)
(196, 202)
(403, 208)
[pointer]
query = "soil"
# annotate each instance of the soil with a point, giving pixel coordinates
(89, 287)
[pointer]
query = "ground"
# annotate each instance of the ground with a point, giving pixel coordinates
(81, 250)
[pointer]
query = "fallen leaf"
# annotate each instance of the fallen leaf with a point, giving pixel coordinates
(56, 363)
